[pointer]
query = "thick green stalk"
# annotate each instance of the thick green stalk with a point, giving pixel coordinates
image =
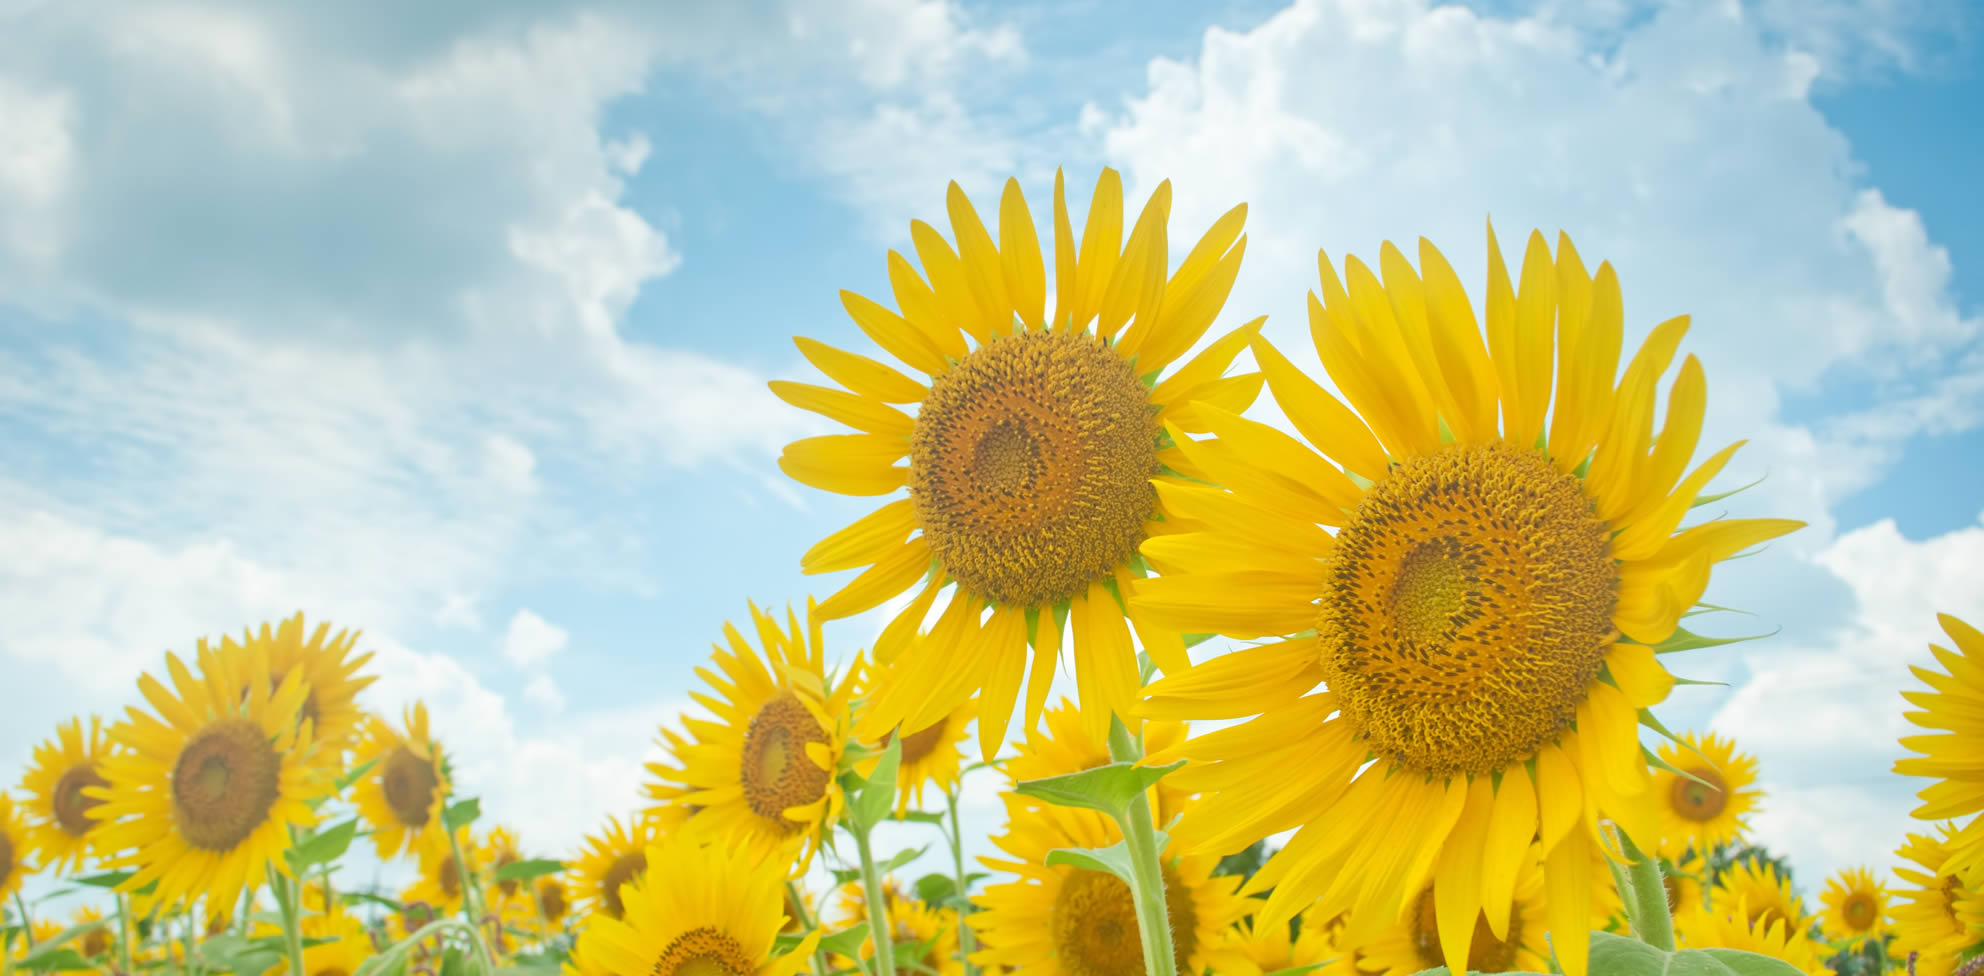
(186, 940)
(1646, 905)
(288, 899)
(471, 901)
(878, 909)
(966, 941)
(124, 929)
(1146, 866)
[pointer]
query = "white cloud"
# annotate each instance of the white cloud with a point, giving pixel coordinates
(543, 689)
(531, 639)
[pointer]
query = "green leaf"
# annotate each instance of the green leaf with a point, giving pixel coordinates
(877, 797)
(1114, 859)
(846, 942)
(1107, 788)
(53, 958)
(901, 858)
(846, 876)
(1741, 963)
(921, 816)
(323, 847)
(357, 897)
(454, 962)
(527, 870)
(108, 879)
(461, 813)
(1618, 955)
(356, 773)
(934, 888)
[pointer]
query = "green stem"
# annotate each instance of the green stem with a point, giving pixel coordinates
(806, 924)
(27, 924)
(1146, 866)
(124, 933)
(186, 940)
(288, 893)
(878, 909)
(471, 900)
(1646, 905)
(966, 941)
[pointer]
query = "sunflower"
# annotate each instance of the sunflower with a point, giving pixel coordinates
(1937, 915)
(1708, 810)
(1244, 950)
(499, 850)
(43, 931)
(668, 808)
(715, 912)
(61, 828)
(1683, 881)
(329, 672)
(1030, 452)
(764, 766)
(202, 798)
(15, 845)
(1068, 744)
(442, 878)
(929, 757)
(911, 922)
(1737, 927)
(612, 858)
(401, 796)
(1412, 944)
(1461, 586)
(1856, 906)
(1064, 920)
(334, 945)
(97, 943)
(1955, 757)
(1766, 894)
(550, 900)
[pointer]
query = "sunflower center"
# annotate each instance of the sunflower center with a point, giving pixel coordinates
(226, 780)
(1485, 953)
(1467, 608)
(1095, 925)
(449, 876)
(1030, 467)
(409, 783)
(6, 857)
(96, 943)
(550, 900)
(703, 952)
(330, 971)
(1673, 886)
(624, 869)
(503, 860)
(1700, 802)
(776, 771)
(72, 807)
(1860, 911)
(917, 745)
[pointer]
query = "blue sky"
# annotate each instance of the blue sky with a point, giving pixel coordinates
(457, 330)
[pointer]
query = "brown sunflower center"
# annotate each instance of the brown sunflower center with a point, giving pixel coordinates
(917, 745)
(1030, 467)
(96, 943)
(1952, 892)
(226, 780)
(776, 771)
(1467, 608)
(449, 877)
(409, 783)
(550, 900)
(1672, 884)
(6, 857)
(72, 806)
(505, 859)
(1860, 910)
(1095, 925)
(703, 952)
(1700, 802)
(624, 869)
(1485, 953)
(330, 971)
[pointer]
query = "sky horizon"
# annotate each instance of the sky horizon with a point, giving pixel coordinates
(454, 325)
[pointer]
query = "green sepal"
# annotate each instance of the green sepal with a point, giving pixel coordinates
(1701, 500)
(1683, 639)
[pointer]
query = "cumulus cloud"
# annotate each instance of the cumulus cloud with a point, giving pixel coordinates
(532, 639)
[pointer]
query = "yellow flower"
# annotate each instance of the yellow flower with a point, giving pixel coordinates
(1856, 906)
(1412, 944)
(1030, 451)
(911, 922)
(1955, 758)
(1766, 895)
(1709, 813)
(441, 880)
(1737, 927)
(344, 946)
(1467, 573)
(929, 757)
(1063, 920)
(201, 798)
(329, 672)
(499, 850)
(764, 766)
(550, 899)
(610, 859)
(1683, 881)
(402, 795)
(715, 912)
(15, 845)
(1069, 744)
(1936, 914)
(60, 831)
(1244, 950)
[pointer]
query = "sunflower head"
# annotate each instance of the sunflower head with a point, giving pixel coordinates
(929, 757)
(764, 764)
(551, 899)
(443, 878)
(60, 826)
(1706, 807)
(1953, 754)
(1412, 945)
(1766, 895)
(500, 850)
(1737, 925)
(1066, 744)
(330, 673)
(401, 796)
(611, 859)
(1245, 950)
(15, 847)
(1856, 905)
(1935, 912)
(201, 798)
(912, 923)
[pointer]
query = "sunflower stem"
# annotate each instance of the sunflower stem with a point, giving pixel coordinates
(124, 934)
(807, 924)
(186, 939)
(471, 901)
(878, 908)
(1646, 904)
(966, 941)
(1146, 865)
(288, 904)
(27, 924)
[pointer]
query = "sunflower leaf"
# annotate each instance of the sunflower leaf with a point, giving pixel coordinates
(1618, 955)
(528, 870)
(922, 816)
(108, 879)
(461, 813)
(1729, 962)
(323, 847)
(356, 773)
(877, 796)
(1108, 789)
(1114, 859)
(901, 858)
(53, 958)
(846, 942)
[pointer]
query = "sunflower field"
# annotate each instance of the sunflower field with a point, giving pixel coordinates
(1455, 561)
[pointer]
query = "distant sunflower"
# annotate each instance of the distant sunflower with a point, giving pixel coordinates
(715, 912)
(551, 900)
(1856, 906)
(929, 758)
(15, 845)
(499, 850)
(442, 882)
(608, 860)
(1068, 744)
(1954, 707)
(1739, 926)
(1063, 920)
(1766, 894)
(1030, 452)
(61, 770)
(1937, 914)
(1244, 950)
(401, 796)
(1708, 813)
(1467, 573)
(1412, 944)
(329, 670)
(202, 798)
(764, 765)
(97, 943)
(911, 922)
